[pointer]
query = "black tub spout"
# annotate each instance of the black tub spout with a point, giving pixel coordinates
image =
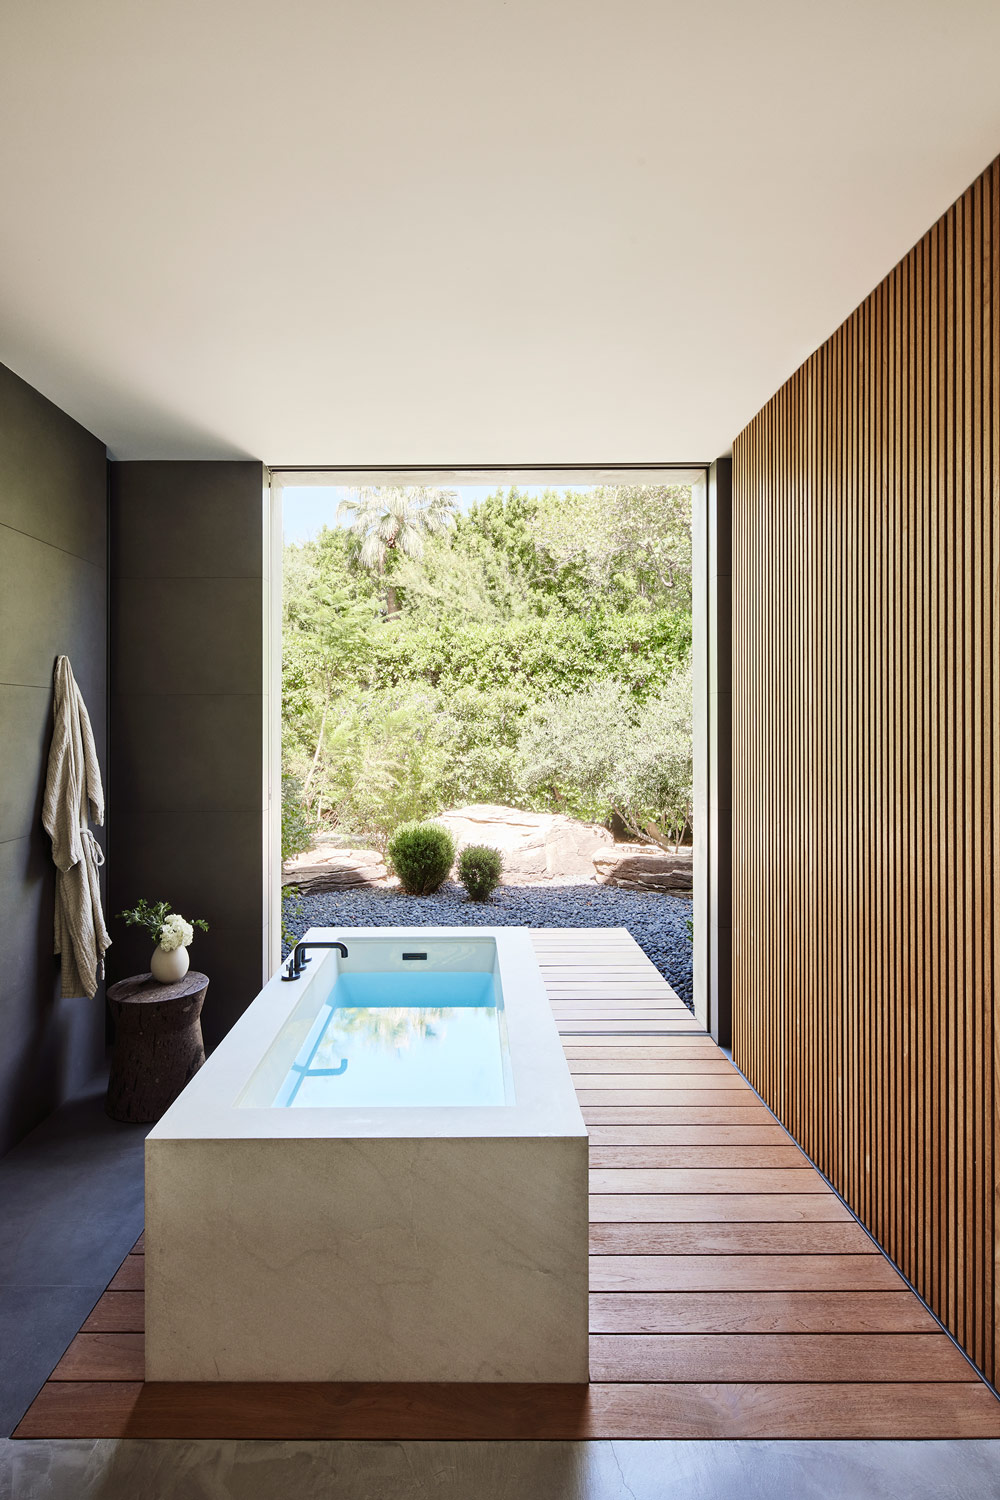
(297, 959)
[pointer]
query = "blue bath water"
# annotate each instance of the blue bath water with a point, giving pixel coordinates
(424, 1039)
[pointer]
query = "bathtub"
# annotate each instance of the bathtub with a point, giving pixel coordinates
(379, 1175)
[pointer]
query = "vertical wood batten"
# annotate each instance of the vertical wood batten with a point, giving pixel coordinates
(866, 637)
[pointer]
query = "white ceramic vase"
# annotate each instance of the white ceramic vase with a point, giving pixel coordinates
(168, 967)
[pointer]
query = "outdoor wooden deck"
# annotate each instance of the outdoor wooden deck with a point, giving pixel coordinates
(733, 1295)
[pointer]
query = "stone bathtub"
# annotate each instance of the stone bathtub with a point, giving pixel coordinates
(380, 1175)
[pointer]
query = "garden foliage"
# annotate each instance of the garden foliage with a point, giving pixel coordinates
(479, 870)
(532, 651)
(422, 855)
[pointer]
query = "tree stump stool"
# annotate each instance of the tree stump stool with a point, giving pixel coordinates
(158, 1044)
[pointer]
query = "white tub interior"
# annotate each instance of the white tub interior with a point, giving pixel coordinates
(400, 1023)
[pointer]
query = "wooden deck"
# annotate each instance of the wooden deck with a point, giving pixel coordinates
(732, 1293)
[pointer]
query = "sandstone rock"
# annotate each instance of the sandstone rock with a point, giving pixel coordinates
(329, 868)
(537, 848)
(640, 867)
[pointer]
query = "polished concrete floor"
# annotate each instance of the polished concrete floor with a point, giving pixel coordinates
(159, 1470)
(70, 1210)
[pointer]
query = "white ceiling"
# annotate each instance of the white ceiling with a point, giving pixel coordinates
(462, 231)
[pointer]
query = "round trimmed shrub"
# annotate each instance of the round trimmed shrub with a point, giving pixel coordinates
(479, 870)
(422, 855)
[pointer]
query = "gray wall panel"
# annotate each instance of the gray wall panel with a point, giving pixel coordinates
(186, 635)
(53, 600)
(26, 720)
(187, 715)
(54, 474)
(188, 520)
(51, 596)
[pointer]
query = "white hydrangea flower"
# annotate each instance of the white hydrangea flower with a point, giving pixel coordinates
(175, 933)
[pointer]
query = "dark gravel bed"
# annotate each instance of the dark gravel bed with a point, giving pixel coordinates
(657, 922)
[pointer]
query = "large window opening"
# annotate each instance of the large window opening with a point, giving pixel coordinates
(510, 655)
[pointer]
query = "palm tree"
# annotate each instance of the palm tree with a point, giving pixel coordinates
(395, 518)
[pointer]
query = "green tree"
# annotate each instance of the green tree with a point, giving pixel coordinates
(334, 634)
(572, 749)
(634, 540)
(525, 612)
(598, 752)
(387, 521)
(653, 791)
(384, 761)
(462, 578)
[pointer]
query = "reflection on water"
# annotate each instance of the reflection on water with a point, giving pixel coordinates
(394, 1026)
(381, 1041)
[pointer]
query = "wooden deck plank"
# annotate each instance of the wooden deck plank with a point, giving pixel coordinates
(764, 1312)
(626, 1410)
(708, 1180)
(612, 977)
(605, 1062)
(753, 1358)
(117, 1312)
(667, 1097)
(609, 956)
(679, 1047)
(658, 1015)
(747, 1273)
(614, 999)
(618, 1007)
(103, 1356)
(731, 1239)
(131, 1275)
(623, 1012)
(611, 952)
(677, 1114)
(740, 1158)
(711, 1136)
(803, 1410)
(683, 1046)
(709, 1208)
(597, 991)
(684, 1023)
(663, 1083)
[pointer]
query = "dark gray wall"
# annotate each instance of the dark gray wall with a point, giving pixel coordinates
(187, 716)
(53, 600)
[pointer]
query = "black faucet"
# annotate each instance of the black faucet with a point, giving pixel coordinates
(297, 961)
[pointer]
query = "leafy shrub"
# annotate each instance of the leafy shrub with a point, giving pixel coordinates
(654, 792)
(573, 748)
(382, 761)
(479, 730)
(297, 835)
(479, 870)
(296, 827)
(535, 654)
(293, 912)
(422, 855)
(599, 752)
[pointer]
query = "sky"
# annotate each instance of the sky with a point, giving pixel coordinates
(304, 512)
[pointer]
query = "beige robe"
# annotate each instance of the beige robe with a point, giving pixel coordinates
(72, 791)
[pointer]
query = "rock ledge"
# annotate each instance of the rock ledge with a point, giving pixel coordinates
(537, 848)
(330, 868)
(641, 867)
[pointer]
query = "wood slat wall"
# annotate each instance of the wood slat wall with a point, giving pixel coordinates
(866, 536)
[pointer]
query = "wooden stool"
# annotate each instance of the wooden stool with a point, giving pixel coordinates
(158, 1044)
